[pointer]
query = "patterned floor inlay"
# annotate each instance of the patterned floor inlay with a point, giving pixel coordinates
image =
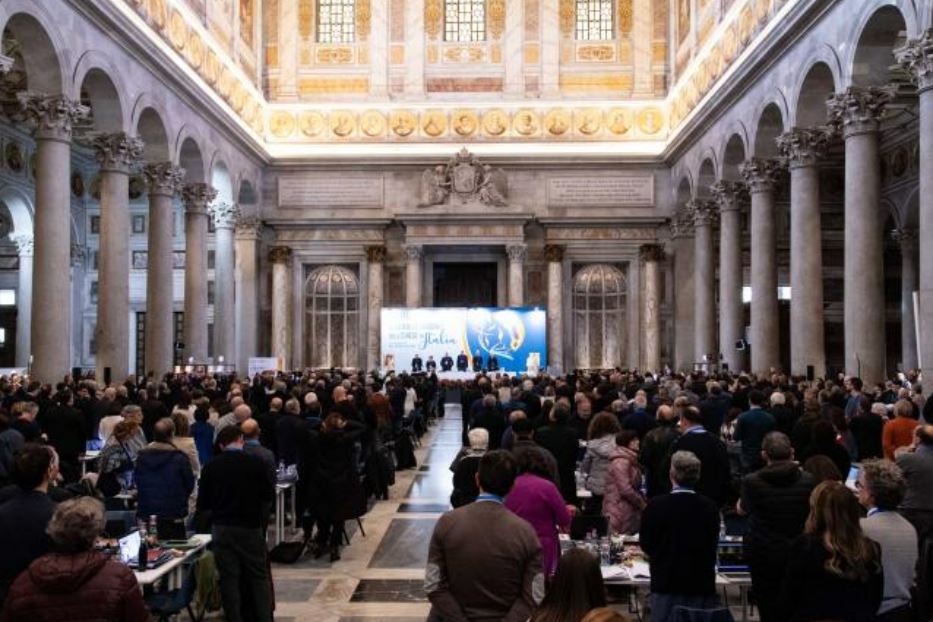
(389, 590)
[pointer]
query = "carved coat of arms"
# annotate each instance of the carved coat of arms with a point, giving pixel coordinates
(467, 178)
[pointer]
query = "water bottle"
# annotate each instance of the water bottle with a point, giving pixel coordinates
(722, 530)
(605, 552)
(154, 529)
(142, 561)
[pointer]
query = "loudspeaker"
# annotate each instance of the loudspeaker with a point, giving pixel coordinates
(811, 372)
(106, 376)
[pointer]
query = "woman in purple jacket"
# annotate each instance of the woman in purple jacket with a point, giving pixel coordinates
(535, 498)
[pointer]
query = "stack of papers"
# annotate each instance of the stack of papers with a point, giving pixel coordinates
(636, 571)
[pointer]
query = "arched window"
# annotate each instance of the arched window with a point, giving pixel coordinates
(598, 316)
(465, 20)
(336, 21)
(332, 328)
(594, 20)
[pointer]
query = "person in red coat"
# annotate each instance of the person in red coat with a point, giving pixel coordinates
(75, 582)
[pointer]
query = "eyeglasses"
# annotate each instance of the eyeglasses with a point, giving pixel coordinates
(859, 485)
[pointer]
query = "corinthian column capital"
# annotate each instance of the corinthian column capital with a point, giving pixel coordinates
(164, 178)
(54, 115)
(517, 252)
(554, 253)
(702, 212)
(906, 238)
(682, 222)
(761, 174)
(376, 254)
(916, 56)
(248, 228)
(414, 252)
(280, 254)
(804, 146)
(729, 195)
(24, 243)
(225, 214)
(859, 110)
(197, 196)
(118, 152)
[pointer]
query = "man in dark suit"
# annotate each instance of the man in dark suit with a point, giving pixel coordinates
(493, 364)
(153, 409)
(416, 364)
(447, 363)
(682, 553)
(714, 408)
(431, 365)
(478, 362)
(714, 477)
(463, 361)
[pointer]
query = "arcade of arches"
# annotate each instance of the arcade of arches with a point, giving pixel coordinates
(212, 180)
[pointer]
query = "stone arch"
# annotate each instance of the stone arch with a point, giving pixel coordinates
(817, 84)
(873, 42)
(43, 62)
(246, 193)
(222, 181)
(734, 153)
(706, 176)
(98, 91)
(769, 126)
(21, 208)
(151, 129)
(191, 158)
(908, 212)
(684, 190)
(90, 65)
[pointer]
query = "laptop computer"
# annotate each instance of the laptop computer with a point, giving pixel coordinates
(129, 552)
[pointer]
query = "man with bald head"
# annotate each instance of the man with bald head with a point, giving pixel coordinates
(164, 481)
(251, 445)
(267, 421)
(290, 432)
(656, 451)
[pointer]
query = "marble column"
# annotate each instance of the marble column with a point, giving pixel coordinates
(910, 281)
(917, 57)
(78, 287)
(762, 176)
(517, 254)
(225, 216)
(554, 255)
(414, 255)
(117, 153)
(651, 256)
(730, 196)
(24, 244)
(279, 257)
(804, 148)
(683, 249)
(858, 111)
(248, 234)
(704, 213)
(50, 327)
(165, 181)
(376, 256)
(196, 197)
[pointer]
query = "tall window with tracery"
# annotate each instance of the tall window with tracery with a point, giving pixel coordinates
(465, 20)
(336, 21)
(594, 20)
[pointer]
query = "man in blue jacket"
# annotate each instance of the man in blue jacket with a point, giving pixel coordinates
(164, 481)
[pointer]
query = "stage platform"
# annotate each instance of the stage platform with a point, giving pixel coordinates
(464, 375)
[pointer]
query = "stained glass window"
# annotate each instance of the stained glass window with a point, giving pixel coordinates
(594, 20)
(465, 20)
(336, 21)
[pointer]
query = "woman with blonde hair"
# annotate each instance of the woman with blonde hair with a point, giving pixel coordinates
(834, 571)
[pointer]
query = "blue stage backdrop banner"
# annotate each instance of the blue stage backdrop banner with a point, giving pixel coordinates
(517, 336)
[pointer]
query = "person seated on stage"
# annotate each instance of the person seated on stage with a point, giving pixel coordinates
(478, 362)
(430, 365)
(462, 361)
(493, 363)
(416, 364)
(447, 363)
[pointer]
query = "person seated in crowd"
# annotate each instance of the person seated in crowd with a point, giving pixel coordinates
(234, 491)
(575, 590)
(715, 476)
(475, 572)
(899, 432)
(600, 447)
(880, 487)
(164, 482)
(465, 466)
(623, 501)
(75, 582)
(23, 518)
(681, 553)
(751, 428)
(916, 463)
(655, 456)
(561, 441)
(535, 498)
(834, 571)
(776, 500)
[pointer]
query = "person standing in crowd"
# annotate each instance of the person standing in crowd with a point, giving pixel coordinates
(25, 421)
(580, 419)
(535, 498)
(164, 481)
(23, 518)
(475, 572)
(477, 361)
(152, 408)
(267, 424)
(490, 419)
(524, 432)
(11, 443)
(834, 571)
(75, 582)
(600, 449)
(561, 440)
(203, 433)
(416, 363)
(252, 447)
(623, 501)
(776, 500)
(823, 443)
(463, 361)
(341, 493)
(447, 363)
(751, 428)
(234, 490)
(117, 460)
(916, 463)
(465, 466)
(656, 452)
(576, 589)
(639, 420)
(715, 476)
(430, 365)
(880, 486)
(64, 427)
(290, 429)
(715, 407)
(867, 429)
(681, 553)
(899, 432)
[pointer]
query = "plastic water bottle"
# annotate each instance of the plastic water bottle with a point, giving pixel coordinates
(722, 530)
(142, 561)
(605, 552)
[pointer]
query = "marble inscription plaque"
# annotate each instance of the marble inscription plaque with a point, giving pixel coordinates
(601, 191)
(331, 190)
